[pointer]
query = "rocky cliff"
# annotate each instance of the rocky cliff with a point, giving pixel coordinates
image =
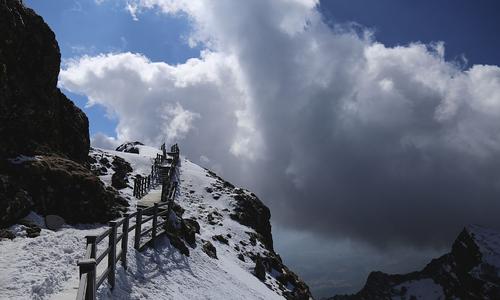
(44, 136)
(470, 271)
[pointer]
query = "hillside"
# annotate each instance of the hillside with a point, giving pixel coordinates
(470, 271)
(245, 266)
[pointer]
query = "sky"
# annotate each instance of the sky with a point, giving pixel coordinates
(370, 128)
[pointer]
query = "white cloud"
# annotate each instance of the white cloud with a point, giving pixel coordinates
(341, 134)
(100, 140)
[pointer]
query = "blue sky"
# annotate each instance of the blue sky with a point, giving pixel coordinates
(468, 29)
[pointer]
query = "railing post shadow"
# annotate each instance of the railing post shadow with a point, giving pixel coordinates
(88, 266)
(138, 223)
(125, 240)
(112, 254)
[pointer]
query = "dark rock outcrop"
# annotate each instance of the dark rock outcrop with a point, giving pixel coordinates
(469, 271)
(130, 147)
(250, 211)
(273, 265)
(35, 117)
(60, 186)
(6, 234)
(209, 249)
(44, 136)
(119, 179)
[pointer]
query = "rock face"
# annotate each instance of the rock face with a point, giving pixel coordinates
(35, 117)
(469, 271)
(248, 210)
(59, 186)
(119, 179)
(130, 147)
(44, 136)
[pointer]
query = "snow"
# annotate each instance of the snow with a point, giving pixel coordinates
(488, 242)
(23, 158)
(39, 268)
(45, 267)
(164, 273)
(419, 289)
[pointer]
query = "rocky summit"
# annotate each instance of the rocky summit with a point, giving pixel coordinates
(470, 271)
(44, 136)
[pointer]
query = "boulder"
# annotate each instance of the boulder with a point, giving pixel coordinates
(54, 222)
(221, 239)
(6, 234)
(209, 249)
(130, 147)
(260, 269)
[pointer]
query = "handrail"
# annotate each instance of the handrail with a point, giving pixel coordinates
(102, 256)
(102, 236)
(89, 281)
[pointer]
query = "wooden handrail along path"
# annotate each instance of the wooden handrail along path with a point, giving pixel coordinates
(164, 171)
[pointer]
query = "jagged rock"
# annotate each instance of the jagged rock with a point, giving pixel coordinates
(220, 239)
(35, 117)
(105, 162)
(129, 147)
(193, 224)
(15, 202)
(189, 230)
(250, 211)
(178, 209)
(33, 231)
(241, 257)
(6, 234)
(54, 222)
(119, 179)
(209, 249)
(178, 243)
(469, 271)
(260, 269)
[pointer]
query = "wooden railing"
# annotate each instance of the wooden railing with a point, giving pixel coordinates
(90, 281)
(142, 185)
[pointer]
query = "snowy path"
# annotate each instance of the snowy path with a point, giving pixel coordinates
(154, 196)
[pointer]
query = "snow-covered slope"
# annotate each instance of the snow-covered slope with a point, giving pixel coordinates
(226, 259)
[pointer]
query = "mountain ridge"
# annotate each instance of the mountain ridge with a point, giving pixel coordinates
(469, 271)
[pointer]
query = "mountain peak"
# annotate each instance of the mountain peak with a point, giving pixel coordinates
(469, 271)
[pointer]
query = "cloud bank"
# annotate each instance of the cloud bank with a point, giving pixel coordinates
(340, 135)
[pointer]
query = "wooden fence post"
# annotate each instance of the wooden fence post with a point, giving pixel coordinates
(143, 186)
(88, 266)
(155, 222)
(112, 254)
(138, 223)
(91, 240)
(125, 240)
